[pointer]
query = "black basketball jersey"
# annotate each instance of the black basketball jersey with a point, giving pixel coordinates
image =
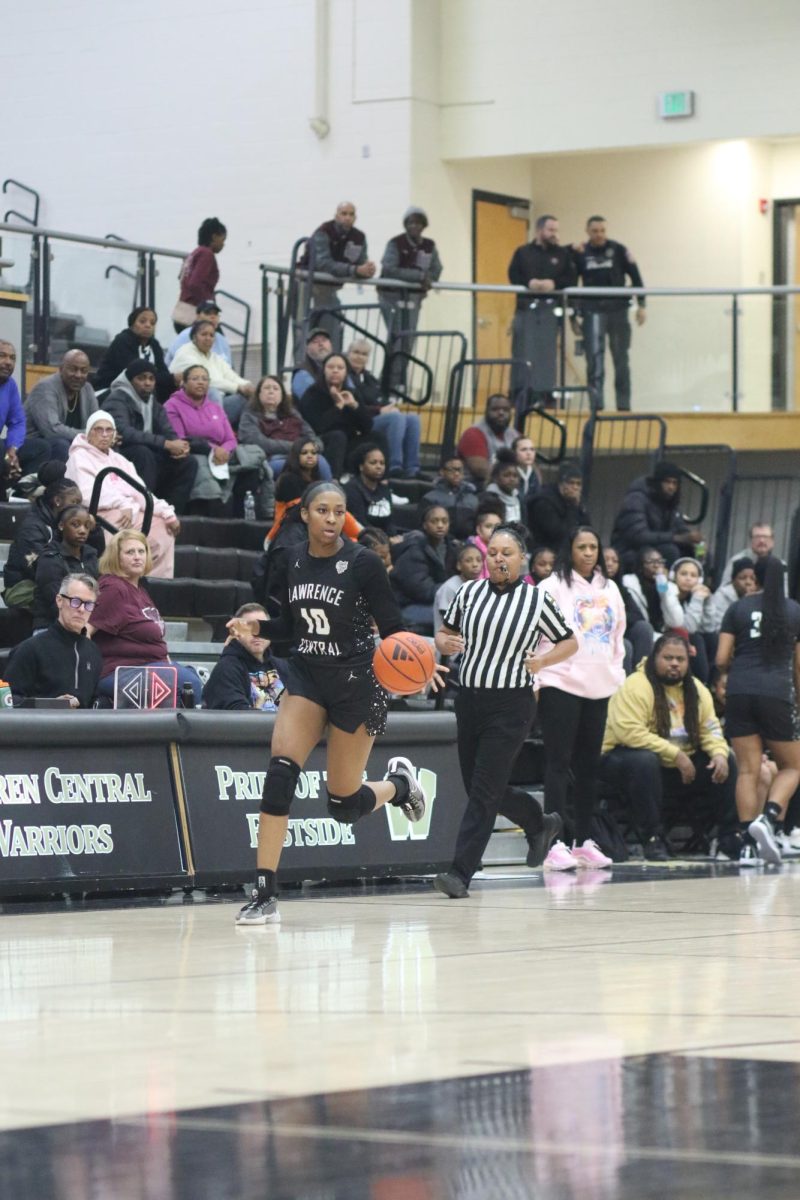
(327, 605)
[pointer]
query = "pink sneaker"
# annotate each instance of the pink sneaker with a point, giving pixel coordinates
(590, 855)
(559, 858)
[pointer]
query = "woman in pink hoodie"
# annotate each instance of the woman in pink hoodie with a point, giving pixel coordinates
(574, 694)
(121, 504)
(226, 470)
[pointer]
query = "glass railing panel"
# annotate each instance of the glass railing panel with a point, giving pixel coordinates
(92, 291)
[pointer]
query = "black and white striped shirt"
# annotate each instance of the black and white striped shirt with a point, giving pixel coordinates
(500, 628)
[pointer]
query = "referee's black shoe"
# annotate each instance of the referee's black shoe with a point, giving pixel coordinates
(414, 804)
(538, 846)
(451, 885)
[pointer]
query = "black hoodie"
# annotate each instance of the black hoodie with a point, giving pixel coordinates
(55, 663)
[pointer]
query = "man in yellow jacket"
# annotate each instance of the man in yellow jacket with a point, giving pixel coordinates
(664, 751)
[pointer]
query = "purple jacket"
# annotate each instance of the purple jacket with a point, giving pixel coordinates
(206, 422)
(12, 414)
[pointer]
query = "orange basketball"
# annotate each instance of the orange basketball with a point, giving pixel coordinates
(403, 663)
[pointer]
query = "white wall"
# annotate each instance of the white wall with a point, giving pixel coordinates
(145, 120)
(527, 77)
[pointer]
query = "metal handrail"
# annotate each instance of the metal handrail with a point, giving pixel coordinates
(243, 333)
(111, 243)
(94, 500)
(571, 292)
(23, 187)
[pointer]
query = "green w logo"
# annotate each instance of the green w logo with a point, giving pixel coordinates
(400, 828)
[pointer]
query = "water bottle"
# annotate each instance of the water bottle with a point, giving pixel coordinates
(249, 507)
(700, 551)
(187, 695)
(661, 583)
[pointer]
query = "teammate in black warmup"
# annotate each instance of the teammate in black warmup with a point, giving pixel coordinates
(759, 644)
(331, 592)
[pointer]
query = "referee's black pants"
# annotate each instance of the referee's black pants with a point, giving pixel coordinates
(493, 723)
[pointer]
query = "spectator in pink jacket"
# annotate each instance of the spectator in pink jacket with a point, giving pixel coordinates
(574, 694)
(121, 504)
(226, 471)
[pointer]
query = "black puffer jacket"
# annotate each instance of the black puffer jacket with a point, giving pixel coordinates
(552, 518)
(37, 531)
(418, 569)
(646, 518)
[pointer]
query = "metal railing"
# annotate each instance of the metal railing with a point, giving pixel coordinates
(145, 274)
(97, 488)
(725, 343)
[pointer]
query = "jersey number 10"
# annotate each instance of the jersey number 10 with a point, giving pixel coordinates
(316, 620)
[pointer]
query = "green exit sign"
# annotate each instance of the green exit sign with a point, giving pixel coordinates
(676, 104)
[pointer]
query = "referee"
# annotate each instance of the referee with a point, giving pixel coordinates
(497, 624)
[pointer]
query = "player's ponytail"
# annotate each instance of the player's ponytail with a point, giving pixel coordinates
(774, 624)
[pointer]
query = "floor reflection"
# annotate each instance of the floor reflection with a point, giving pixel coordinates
(609, 1129)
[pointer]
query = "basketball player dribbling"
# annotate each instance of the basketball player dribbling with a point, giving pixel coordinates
(332, 591)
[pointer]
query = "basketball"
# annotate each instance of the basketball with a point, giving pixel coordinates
(403, 663)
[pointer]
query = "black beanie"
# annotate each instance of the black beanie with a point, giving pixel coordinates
(141, 366)
(666, 470)
(741, 564)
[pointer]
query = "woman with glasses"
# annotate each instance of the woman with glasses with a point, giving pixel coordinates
(653, 594)
(61, 661)
(126, 625)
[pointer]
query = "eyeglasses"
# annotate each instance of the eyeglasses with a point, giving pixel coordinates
(655, 562)
(76, 602)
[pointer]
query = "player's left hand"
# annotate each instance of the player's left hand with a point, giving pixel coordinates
(641, 316)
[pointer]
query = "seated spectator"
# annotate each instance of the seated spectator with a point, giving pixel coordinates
(138, 341)
(469, 565)
(21, 455)
(121, 504)
(694, 597)
(664, 752)
(318, 347)
(743, 583)
(226, 388)
(199, 274)
(650, 516)
(479, 443)
(71, 554)
(368, 496)
(126, 626)
(653, 594)
(423, 561)
(504, 477)
(762, 545)
(226, 471)
(638, 630)
(454, 493)
(542, 562)
(59, 407)
(245, 678)
(490, 514)
(400, 428)
(38, 530)
(207, 311)
(61, 662)
(556, 508)
(335, 414)
(271, 421)
(146, 437)
(530, 479)
(377, 540)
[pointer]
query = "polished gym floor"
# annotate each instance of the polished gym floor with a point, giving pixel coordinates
(624, 1034)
